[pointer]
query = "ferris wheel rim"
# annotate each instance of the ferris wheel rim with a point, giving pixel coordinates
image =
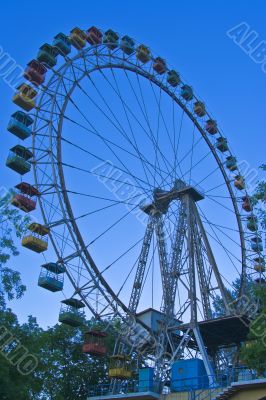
(211, 147)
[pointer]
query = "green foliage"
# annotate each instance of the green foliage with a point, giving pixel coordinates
(13, 384)
(233, 294)
(12, 226)
(63, 371)
(67, 373)
(253, 352)
(259, 200)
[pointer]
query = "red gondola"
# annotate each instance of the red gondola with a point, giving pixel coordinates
(246, 205)
(159, 65)
(35, 72)
(23, 200)
(94, 35)
(211, 127)
(94, 343)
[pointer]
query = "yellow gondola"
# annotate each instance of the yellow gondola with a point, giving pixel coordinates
(239, 182)
(120, 367)
(199, 108)
(78, 38)
(25, 97)
(143, 53)
(36, 239)
(259, 264)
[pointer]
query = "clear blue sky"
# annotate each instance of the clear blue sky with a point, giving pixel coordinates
(190, 35)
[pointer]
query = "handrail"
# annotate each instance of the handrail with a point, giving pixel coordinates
(224, 381)
(197, 387)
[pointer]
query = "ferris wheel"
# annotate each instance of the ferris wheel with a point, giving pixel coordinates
(143, 202)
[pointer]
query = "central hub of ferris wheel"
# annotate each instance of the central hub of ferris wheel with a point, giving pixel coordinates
(163, 198)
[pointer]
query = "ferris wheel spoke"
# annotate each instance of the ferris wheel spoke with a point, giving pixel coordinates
(126, 279)
(143, 160)
(207, 176)
(98, 134)
(217, 239)
(121, 256)
(215, 187)
(225, 234)
(107, 140)
(210, 254)
(160, 117)
(177, 143)
(112, 151)
(149, 133)
(175, 136)
(125, 106)
(146, 117)
(129, 124)
(111, 226)
(64, 239)
(117, 125)
(115, 202)
(220, 204)
(107, 178)
(62, 221)
(157, 139)
(221, 197)
(217, 225)
(53, 208)
(191, 152)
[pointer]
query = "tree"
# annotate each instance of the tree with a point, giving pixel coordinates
(66, 372)
(62, 371)
(13, 226)
(253, 353)
(16, 343)
(233, 294)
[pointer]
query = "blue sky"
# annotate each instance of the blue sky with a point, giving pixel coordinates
(189, 35)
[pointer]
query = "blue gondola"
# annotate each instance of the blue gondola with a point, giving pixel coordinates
(62, 44)
(56, 268)
(173, 78)
(256, 244)
(127, 45)
(111, 39)
(231, 163)
(187, 92)
(18, 159)
(52, 277)
(252, 223)
(221, 144)
(47, 55)
(19, 124)
(70, 313)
